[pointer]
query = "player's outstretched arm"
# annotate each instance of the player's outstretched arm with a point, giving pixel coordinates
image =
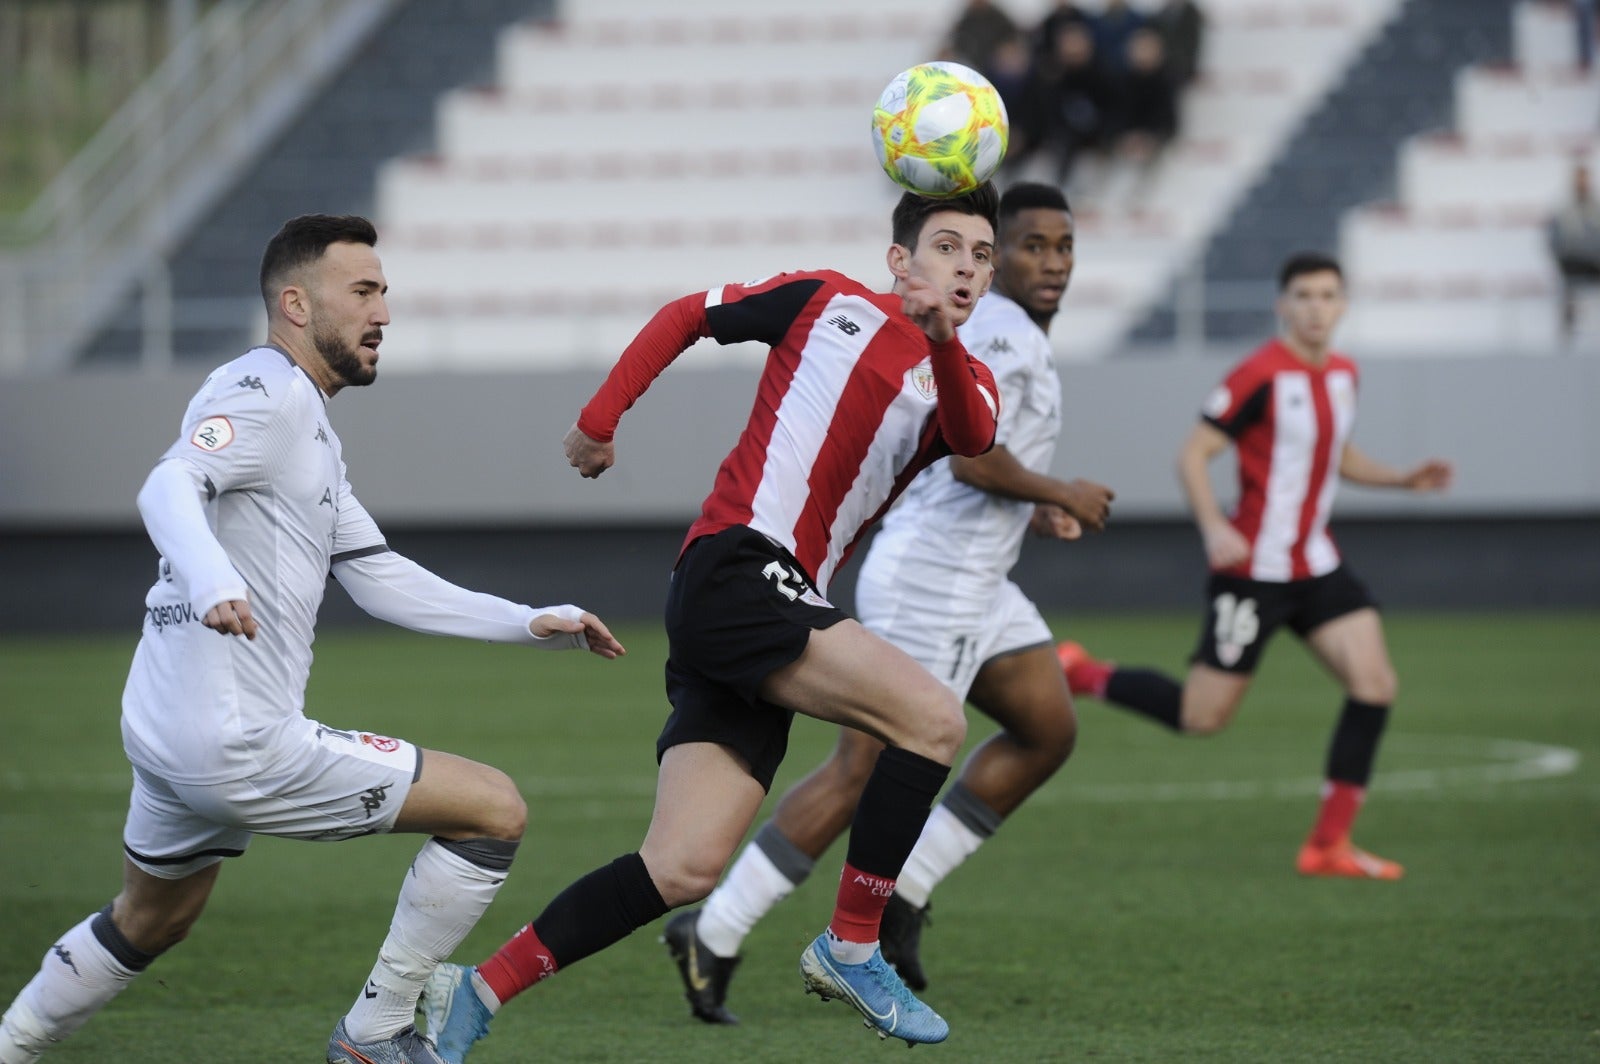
(1356, 466)
(1000, 473)
(590, 631)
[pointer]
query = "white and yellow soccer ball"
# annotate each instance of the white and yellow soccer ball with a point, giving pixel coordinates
(940, 129)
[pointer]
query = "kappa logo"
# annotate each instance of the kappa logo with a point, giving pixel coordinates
(254, 384)
(1000, 345)
(213, 434)
(322, 434)
(66, 958)
(922, 380)
(372, 798)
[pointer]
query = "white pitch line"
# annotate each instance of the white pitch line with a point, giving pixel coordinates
(1507, 761)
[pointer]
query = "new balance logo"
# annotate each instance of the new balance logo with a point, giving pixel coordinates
(255, 385)
(844, 325)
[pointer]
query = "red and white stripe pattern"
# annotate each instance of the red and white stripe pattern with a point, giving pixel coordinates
(1290, 421)
(844, 415)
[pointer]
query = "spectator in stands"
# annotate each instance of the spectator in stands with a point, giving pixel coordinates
(1181, 24)
(1079, 98)
(1112, 31)
(1147, 113)
(978, 33)
(1021, 89)
(1065, 13)
(1583, 17)
(1574, 233)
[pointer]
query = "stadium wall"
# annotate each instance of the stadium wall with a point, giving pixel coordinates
(465, 472)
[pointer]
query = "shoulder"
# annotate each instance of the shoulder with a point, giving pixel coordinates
(262, 382)
(1000, 331)
(1338, 361)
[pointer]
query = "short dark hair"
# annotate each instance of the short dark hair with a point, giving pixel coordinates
(913, 210)
(1304, 262)
(1027, 196)
(302, 241)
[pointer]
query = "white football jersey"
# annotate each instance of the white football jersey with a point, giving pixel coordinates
(948, 534)
(201, 707)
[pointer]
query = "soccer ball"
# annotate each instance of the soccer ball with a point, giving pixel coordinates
(940, 129)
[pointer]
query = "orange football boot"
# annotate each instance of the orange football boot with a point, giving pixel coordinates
(1345, 860)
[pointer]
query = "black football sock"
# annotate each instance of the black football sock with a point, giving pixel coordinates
(1148, 693)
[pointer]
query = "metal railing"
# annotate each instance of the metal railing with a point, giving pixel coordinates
(106, 225)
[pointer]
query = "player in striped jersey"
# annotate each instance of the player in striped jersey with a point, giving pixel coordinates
(935, 584)
(1287, 410)
(861, 391)
(252, 514)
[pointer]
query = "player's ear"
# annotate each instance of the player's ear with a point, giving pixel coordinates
(899, 259)
(294, 304)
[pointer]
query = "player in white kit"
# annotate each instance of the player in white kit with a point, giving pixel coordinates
(935, 585)
(251, 512)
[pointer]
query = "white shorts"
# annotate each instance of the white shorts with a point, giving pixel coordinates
(339, 785)
(950, 635)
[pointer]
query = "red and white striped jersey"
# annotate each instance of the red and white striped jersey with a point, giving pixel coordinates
(846, 413)
(1289, 421)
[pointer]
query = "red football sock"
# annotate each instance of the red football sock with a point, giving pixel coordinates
(1089, 678)
(517, 965)
(859, 908)
(1341, 802)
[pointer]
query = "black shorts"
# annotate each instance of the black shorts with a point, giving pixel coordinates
(1242, 614)
(740, 607)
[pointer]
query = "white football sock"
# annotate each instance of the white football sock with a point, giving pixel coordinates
(945, 842)
(441, 900)
(749, 891)
(75, 980)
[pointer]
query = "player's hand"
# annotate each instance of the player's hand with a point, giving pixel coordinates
(929, 309)
(1432, 475)
(595, 633)
(1225, 546)
(588, 456)
(1090, 503)
(1052, 522)
(231, 618)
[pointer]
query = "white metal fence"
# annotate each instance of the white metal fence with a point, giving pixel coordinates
(106, 225)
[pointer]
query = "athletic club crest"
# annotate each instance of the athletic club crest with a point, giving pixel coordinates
(922, 381)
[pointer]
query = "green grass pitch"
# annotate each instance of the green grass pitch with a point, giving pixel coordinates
(1143, 907)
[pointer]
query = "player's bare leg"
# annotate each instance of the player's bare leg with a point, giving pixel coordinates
(850, 676)
(706, 799)
(475, 818)
(1353, 649)
(1211, 698)
(97, 959)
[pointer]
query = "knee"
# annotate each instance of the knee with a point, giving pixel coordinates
(1206, 720)
(1378, 686)
(503, 813)
(944, 730)
(684, 881)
